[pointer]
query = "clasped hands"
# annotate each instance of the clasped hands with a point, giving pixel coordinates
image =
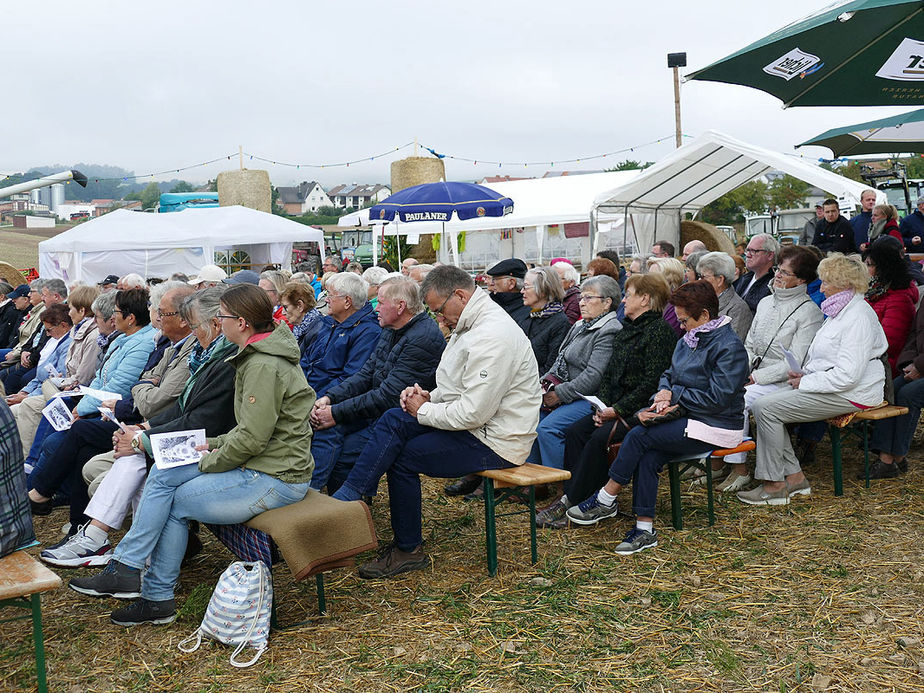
(660, 405)
(412, 397)
(321, 415)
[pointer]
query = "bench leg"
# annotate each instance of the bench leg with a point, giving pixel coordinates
(39, 641)
(710, 502)
(322, 602)
(490, 529)
(532, 523)
(865, 426)
(835, 434)
(673, 475)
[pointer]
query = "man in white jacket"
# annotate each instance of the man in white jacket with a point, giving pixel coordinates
(482, 415)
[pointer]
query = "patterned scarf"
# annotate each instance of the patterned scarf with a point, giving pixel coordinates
(691, 338)
(876, 288)
(310, 318)
(200, 355)
(833, 305)
(548, 309)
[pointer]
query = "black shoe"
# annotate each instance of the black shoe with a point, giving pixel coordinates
(463, 486)
(116, 580)
(902, 465)
(393, 561)
(477, 493)
(805, 451)
(60, 500)
(880, 470)
(41, 508)
(145, 611)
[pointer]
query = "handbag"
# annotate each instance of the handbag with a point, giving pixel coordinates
(612, 449)
(238, 612)
(675, 412)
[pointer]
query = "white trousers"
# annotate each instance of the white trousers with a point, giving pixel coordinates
(119, 488)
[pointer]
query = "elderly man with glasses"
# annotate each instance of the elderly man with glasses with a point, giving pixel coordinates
(759, 257)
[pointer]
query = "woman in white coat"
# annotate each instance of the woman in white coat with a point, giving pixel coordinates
(842, 374)
(786, 319)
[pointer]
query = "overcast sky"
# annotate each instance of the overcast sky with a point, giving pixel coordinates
(153, 86)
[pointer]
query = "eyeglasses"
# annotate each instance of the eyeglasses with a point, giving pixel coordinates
(590, 297)
(783, 273)
(118, 311)
(229, 317)
(528, 287)
(162, 314)
(439, 311)
(752, 251)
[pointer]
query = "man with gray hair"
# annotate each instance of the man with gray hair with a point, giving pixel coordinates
(131, 281)
(482, 415)
(759, 258)
(406, 265)
(419, 272)
(691, 248)
(718, 269)
(346, 337)
(407, 352)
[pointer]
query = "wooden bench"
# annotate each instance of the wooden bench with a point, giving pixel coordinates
(22, 580)
(859, 426)
(514, 483)
(677, 466)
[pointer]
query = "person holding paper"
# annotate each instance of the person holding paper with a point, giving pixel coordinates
(843, 373)
(698, 407)
(57, 324)
(783, 328)
(264, 462)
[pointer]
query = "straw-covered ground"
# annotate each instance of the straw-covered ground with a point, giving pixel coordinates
(825, 594)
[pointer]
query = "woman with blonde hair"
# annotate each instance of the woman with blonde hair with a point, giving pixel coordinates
(842, 373)
(673, 271)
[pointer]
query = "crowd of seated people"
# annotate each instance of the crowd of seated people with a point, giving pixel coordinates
(333, 381)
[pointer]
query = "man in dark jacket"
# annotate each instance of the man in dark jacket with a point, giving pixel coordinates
(912, 228)
(834, 233)
(505, 282)
(760, 257)
(13, 307)
(408, 352)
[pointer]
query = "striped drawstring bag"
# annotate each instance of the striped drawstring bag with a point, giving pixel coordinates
(239, 611)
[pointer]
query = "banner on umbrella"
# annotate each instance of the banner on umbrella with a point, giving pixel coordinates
(906, 63)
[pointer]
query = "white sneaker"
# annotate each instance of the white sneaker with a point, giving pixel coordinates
(78, 551)
(734, 482)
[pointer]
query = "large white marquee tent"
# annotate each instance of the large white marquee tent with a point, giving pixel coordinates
(157, 245)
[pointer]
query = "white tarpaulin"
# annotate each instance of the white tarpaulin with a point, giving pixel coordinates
(700, 172)
(157, 245)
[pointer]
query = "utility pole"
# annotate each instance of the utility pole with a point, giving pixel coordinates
(675, 61)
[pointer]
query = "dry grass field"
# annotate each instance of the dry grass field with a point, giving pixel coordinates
(825, 594)
(19, 247)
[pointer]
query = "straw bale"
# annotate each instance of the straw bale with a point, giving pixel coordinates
(707, 233)
(246, 188)
(10, 274)
(416, 170)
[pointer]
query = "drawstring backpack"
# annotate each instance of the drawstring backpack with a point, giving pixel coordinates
(238, 612)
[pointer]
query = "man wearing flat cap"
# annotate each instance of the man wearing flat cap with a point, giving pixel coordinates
(505, 280)
(912, 228)
(13, 305)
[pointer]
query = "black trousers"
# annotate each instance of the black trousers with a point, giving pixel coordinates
(585, 457)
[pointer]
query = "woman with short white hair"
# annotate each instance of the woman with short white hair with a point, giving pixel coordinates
(718, 269)
(374, 277)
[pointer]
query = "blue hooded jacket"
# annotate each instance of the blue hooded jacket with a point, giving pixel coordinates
(340, 349)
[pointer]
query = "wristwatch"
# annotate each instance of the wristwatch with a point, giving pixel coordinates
(136, 442)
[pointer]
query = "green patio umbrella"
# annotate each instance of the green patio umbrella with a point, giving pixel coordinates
(901, 134)
(858, 53)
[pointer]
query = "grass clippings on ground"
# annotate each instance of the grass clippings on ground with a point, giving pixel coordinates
(823, 594)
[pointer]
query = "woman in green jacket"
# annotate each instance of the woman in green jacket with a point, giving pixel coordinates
(264, 462)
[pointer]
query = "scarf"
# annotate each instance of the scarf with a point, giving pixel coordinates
(691, 338)
(835, 304)
(876, 229)
(876, 288)
(301, 328)
(548, 309)
(200, 355)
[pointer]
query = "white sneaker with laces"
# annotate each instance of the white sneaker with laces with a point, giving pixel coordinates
(78, 551)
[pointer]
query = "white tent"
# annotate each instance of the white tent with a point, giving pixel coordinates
(700, 172)
(161, 244)
(538, 203)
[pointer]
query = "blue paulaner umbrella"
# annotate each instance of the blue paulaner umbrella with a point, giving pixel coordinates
(438, 201)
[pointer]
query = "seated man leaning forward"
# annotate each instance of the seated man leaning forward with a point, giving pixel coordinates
(482, 415)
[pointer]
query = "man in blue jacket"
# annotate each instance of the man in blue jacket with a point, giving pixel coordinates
(912, 228)
(407, 352)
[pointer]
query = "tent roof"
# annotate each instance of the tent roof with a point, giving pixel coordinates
(217, 226)
(536, 202)
(710, 166)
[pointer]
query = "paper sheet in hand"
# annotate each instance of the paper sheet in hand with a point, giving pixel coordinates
(793, 362)
(177, 448)
(596, 401)
(58, 415)
(109, 415)
(101, 395)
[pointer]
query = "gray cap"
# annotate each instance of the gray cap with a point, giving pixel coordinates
(243, 277)
(920, 200)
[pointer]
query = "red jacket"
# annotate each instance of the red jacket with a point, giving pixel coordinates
(895, 310)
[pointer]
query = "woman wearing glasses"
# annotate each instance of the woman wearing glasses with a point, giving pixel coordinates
(577, 370)
(786, 319)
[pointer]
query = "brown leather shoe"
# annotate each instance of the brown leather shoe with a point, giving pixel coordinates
(393, 561)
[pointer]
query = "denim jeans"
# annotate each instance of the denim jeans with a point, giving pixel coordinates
(644, 451)
(335, 451)
(549, 447)
(893, 436)
(404, 449)
(171, 497)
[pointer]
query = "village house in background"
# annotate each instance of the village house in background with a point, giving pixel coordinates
(358, 195)
(307, 196)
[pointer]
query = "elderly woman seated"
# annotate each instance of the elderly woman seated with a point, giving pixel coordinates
(577, 370)
(673, 271)
(786, 319)
(697, 408)
(298, 305)
(842, 374)
(642, 351)
(546, 323)
(719, 270)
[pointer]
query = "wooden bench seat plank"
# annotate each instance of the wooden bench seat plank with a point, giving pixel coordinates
(879, 413)
(746, 446)
(525, 475)
(21, 575)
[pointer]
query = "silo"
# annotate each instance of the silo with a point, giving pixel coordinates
(57, 196)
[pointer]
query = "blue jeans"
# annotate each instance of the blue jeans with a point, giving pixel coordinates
(335, 451)
(893, 436)
(644, 451)
(549, 448)
(171, 497)
(404, 449)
